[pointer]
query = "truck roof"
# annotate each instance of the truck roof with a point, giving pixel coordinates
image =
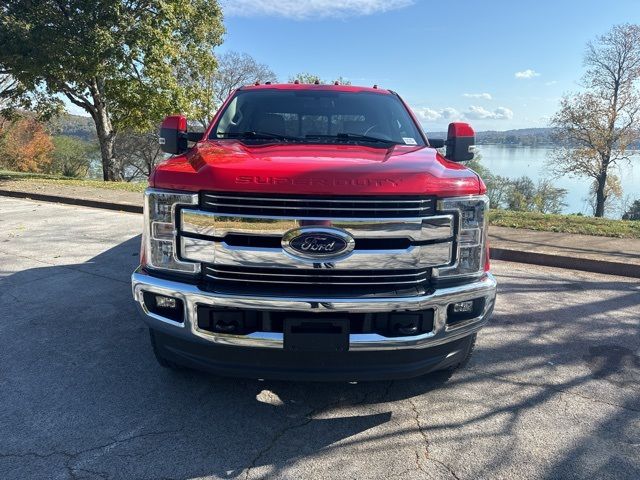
(309, 86)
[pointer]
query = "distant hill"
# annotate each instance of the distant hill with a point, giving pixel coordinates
(529, 137)
(73, 126)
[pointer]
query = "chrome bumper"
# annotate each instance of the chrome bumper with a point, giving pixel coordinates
(192, 296)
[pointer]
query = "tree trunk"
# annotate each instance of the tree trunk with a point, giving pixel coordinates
(112, 170)
(601, 195)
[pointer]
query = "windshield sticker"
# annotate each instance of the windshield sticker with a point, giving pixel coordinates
(409, 141)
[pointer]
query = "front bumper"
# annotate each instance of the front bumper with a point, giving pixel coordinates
(439, 300)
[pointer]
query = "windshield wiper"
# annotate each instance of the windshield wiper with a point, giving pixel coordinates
(353, 136)
(257, 135)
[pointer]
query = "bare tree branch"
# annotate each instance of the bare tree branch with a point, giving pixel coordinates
(598, 126)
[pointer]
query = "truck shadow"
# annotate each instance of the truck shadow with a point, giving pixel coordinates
(80, 385)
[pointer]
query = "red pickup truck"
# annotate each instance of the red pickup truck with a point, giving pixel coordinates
(313, 232)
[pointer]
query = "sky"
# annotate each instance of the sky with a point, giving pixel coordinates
(497, 64)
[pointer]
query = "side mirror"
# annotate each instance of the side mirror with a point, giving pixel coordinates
(460, 140)
(173, 134)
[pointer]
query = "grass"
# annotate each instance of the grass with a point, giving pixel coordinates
(603, 227)
(44, 179)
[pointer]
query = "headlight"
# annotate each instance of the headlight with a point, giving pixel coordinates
(471, 235)
(159, 237)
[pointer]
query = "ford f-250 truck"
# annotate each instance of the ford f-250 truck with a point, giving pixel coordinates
(313, 232)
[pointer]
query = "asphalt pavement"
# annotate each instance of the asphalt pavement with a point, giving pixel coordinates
(552, 391)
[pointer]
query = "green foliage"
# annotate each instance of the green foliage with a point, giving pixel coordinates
(71, 156)
(128, 64)
(521, 195)
(633, 213)
(135, 53)
(549, 199)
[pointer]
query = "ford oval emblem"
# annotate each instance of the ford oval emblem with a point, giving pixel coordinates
(317, 243)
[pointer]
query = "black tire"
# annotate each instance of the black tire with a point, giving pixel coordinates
(469, 347)
(163, 362)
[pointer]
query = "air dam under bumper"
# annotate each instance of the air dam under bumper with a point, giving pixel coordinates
(262, 354)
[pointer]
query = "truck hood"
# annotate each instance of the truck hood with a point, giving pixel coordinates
(344, 169)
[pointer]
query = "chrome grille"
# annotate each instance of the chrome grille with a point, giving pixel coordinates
(293, 276)
(237, 238)
(301, 207)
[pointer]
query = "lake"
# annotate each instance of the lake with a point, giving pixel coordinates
(513, 162)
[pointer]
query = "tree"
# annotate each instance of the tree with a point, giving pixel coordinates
(139, 153)
(234, 70)
(498, 189)
(548, 198)
(597, 126)
(71, 156)
(310, 78)
(25, 146)
(612, 194)
(633, 213)
(124, 62)
(521, 195)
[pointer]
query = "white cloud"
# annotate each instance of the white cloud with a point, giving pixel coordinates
(479, 113)
(552, 82)
(430, 115)
(486, 96)
(450, 114)
(427, 114)
(526, 74)
(307, 9)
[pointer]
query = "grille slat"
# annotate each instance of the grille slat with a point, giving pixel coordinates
(249, 275)
(309, 207)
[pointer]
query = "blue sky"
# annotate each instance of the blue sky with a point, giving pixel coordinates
(497, 64)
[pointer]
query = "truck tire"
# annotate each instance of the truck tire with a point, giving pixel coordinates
(159, 358)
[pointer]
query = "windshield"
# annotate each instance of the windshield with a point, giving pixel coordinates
(317, 116)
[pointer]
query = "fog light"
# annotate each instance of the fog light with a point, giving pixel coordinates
(163, 306)
(165, 302)
(463, 307)
(467, 310)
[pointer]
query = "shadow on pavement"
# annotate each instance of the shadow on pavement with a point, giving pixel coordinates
(82, 393)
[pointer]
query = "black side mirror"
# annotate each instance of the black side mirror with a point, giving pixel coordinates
(460, 140)
(173, 134)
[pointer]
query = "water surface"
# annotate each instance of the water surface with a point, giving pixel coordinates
(513, 162)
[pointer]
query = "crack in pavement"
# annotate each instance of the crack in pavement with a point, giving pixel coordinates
(425, 439)
(72, 456)
(309, 418)
(274, 440)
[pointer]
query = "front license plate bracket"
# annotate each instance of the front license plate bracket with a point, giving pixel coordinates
(311, 335)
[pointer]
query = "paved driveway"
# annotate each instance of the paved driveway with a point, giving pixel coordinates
(553, 390)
